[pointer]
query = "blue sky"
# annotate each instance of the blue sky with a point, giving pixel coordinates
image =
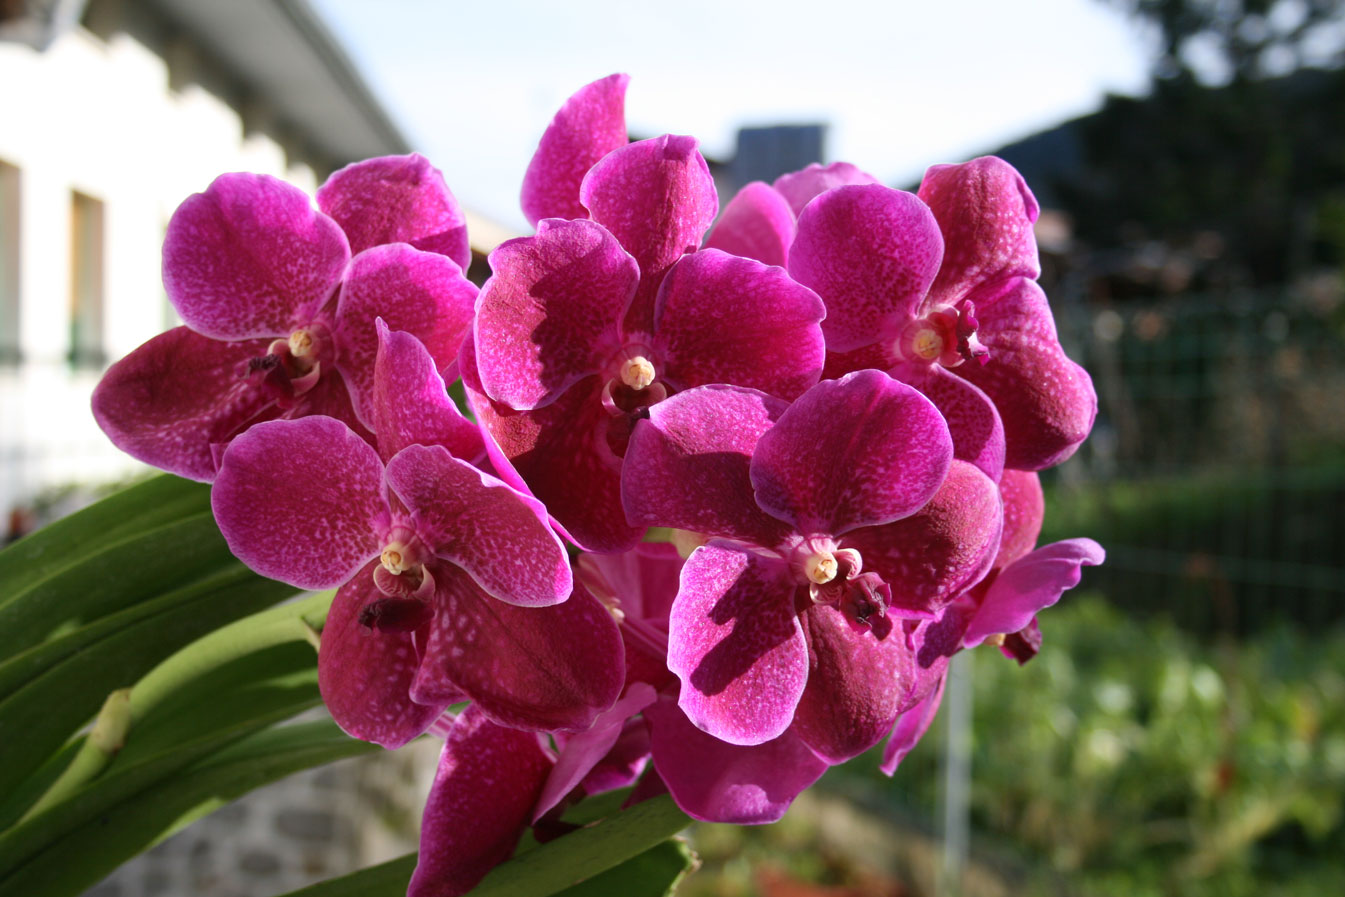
(901, 85)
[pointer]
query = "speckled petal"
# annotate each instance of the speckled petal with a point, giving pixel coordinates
(365, 674)
(1030, 584)
(756, 224)
(250, 257)
(857, 685)
(799, 187)
(397, 199)
(724, 319)
(859, 451)
(301, 501)
(986, 213)
(549, 315)
(718, 782)
(734, 641)
(1046, 401)
(581, 752)
(643, 580)
(688, 465)
(541, 668)
(973, 421)
(590, 125)
(871, 253)
(421, 293)
(171, 399)
(932, 556)
(487, 781)
(410, 404)
(560, 454)
(499, 535)
(1024, 509)
(656, 197)
(910, 728)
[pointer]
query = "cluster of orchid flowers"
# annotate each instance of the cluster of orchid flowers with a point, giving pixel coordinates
(836, 402)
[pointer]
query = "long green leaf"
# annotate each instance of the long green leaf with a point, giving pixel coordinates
(38, 718)
(283, 683)
(584, 853)
(384, 880)
(627, 854)
(654, 873)
(86, 854)
(91, 584)
(139, 507)
(25, 666)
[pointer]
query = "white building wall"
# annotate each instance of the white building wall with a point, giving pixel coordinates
(98, 117)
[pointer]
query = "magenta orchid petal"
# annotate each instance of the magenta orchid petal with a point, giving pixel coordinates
(468, 829)
(986, 213)
(621, 766)
(590, 125)
(973, 421)
(397, 199)
(365, 673)
(657, 198)
(168, 401)
(548, 317)
(859, 451)
(937, 553)
(871, 253)
(330, 397)
(582, 752)
(688, 466)
(499, 535)
(301, 501)
(724, 319)
(541, 668)
(410, 403)
(756, 224)
(250, 257)
(857, 685)
(559, 454)
(1024, 508)
(910, 728)
(735, 642)
(643, 581)
(799, 187)
(718, 782)
(1028, 585)
(1046, 401)
(422, 293)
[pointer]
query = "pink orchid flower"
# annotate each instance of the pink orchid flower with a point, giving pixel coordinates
(452, 584)
(827, 518)
(279, 318)
(572, 346)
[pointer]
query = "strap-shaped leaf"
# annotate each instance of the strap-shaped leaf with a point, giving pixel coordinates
(158, 500)
(654, 873)
(96, 581)
(40, 716)
(87, 853)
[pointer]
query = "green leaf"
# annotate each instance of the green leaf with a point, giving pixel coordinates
(654, 873)
(38, 718)
(390, 879)
(86, 854)
(144, 506)
(93, 583)
(627, 854)
(582, 854)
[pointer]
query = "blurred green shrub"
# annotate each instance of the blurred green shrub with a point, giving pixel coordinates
(1129, 759)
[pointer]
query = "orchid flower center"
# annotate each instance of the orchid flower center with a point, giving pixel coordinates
(394, 558)
(947, 336)
(637, 372)
(301, 343)
(820, 568)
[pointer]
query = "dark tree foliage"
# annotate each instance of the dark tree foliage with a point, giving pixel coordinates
(1238, 151)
